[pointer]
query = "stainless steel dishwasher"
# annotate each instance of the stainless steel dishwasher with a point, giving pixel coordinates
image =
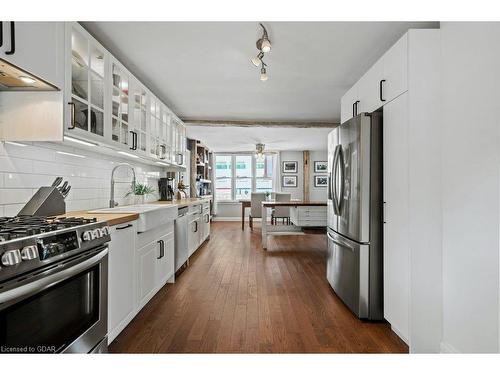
(181, 237)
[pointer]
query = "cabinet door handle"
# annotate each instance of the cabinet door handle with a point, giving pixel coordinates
(356, 107)
(162, 248)
(135, 140)
(12, 39)
(159, 242)
(131, 132)
(380, 86)
(125, 227)
(196, 226)
(73, 115)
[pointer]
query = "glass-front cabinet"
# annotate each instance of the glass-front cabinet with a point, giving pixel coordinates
(140, 115)
(121, 131)
(87, 90)
(154, 127)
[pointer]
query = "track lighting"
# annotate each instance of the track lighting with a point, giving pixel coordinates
(263, 45)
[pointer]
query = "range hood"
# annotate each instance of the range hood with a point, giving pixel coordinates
(13, 78)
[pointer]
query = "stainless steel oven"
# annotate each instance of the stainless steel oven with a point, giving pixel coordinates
(60, 308)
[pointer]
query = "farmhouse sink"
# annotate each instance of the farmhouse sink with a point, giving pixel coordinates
(150, 215)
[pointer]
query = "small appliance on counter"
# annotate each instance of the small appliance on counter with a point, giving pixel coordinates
(166, 187)
(48, 200)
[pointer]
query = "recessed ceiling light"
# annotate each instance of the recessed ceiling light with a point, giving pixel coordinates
(127, 154)
(70, 154)
(26, 79)
(75, 140)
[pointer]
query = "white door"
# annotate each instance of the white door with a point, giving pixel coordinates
(165, 264)
(121, 285)
(395, 62)
(348, 104)
(38, 48)
(396, 241)
(369, 89)
(146, 262)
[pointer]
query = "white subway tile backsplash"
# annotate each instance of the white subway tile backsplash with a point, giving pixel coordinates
(24, 169)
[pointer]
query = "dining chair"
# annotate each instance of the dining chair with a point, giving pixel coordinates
(282, 213)
(256, 200)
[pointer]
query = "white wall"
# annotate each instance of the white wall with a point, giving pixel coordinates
(470, 186)
(226, 210)
(24, 169)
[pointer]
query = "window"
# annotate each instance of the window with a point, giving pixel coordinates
(238, 175)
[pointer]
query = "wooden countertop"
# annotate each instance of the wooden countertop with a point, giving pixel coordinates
(120, 217)
(294, 203)
(112, 219)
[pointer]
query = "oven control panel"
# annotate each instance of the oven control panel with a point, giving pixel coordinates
(57, 244)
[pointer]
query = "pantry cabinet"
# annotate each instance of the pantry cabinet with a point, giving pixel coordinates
(36, 47)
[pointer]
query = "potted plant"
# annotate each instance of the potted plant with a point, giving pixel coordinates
(140, 191)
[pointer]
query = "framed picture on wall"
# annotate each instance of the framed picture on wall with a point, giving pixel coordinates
(289, 181)
(320, 181)
(320, 166)
(290, 167)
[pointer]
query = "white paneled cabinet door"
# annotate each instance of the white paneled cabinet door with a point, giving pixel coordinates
(165, 264)
(396, 216)
(139, 117)
(147, 278)
(369, 89)
(121, 132)
(193, 234)
(36, 47)
(85, 89)
(348, 104)
(395, 62)
(121, 286)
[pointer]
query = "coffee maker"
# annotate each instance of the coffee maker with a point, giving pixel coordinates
(166, 187)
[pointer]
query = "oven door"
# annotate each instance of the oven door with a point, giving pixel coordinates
(59, 309)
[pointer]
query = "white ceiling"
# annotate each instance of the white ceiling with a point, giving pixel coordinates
(231, 139)
(202, 70)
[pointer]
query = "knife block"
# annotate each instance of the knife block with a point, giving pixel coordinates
(47, 201)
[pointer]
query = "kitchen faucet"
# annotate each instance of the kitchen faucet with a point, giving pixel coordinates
(112, 202)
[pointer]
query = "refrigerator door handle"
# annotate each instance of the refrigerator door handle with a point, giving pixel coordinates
(339, 241)
(334, 181)
(342, 178)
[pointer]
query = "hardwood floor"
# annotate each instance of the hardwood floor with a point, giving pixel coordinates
(236, 297)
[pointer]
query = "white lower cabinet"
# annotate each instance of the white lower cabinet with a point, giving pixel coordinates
(308, 216)
(194, 227)
(155, 266)
(121, 285)
(205, 225)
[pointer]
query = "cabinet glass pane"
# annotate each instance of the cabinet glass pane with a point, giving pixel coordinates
(79, 49)
(79, 81)
(97, 60)
(143, 142)
(81, 111)
(116, 102)
(97, 122)
(97, 90)
(143, 119)
(124, 109)
(116, 76)
(124, 134)
(115, 131)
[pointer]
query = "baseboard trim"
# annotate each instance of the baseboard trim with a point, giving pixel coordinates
(448, 348)
(229, 218)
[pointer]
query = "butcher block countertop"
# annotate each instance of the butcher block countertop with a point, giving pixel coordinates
(120, 217)
(112, 219)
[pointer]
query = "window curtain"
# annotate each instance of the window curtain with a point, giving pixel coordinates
(276, 172)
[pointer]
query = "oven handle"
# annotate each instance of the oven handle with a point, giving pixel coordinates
(50, 280)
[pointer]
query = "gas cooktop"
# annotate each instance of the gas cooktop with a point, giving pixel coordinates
(30, 242)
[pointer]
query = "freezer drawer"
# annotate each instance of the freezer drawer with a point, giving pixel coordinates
(353, 272)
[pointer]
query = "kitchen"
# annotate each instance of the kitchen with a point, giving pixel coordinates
(207, 209)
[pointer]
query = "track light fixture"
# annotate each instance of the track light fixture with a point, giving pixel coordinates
(263, 45)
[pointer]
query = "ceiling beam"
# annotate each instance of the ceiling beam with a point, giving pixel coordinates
(266, 124)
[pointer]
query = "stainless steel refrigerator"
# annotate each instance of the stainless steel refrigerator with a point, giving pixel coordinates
(354, 261)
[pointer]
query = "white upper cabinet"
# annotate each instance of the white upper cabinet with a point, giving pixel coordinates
(348, 104)
(395, 63)
(36, 47)
(384, 81)
(86, 85)
(139, 114)
(121, 127)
